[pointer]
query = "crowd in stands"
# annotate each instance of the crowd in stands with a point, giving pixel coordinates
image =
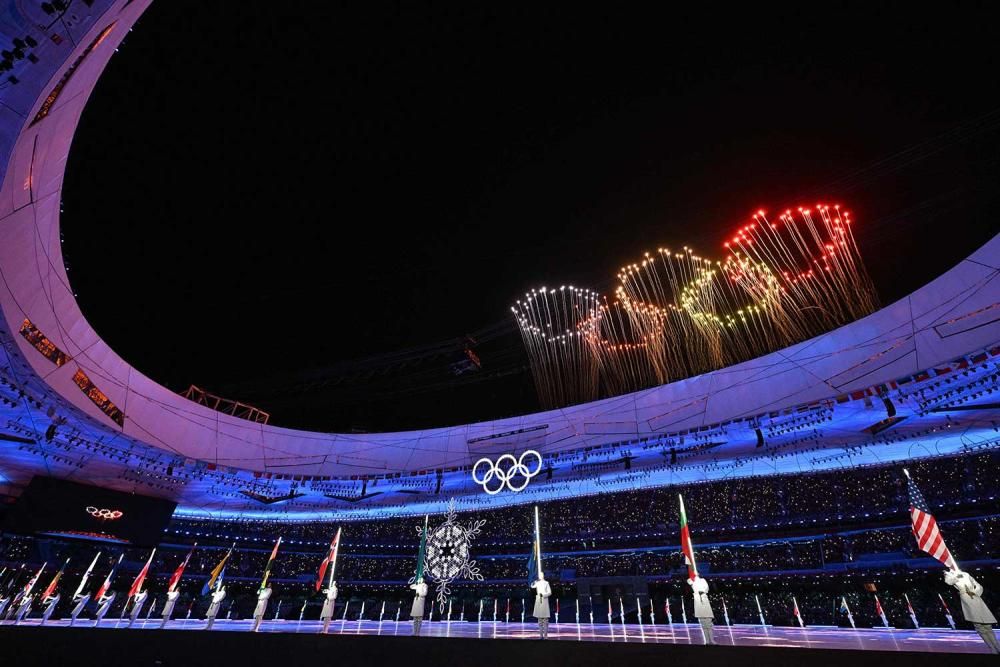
(819, 537)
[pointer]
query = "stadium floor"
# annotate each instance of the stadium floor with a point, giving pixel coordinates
(458, 643)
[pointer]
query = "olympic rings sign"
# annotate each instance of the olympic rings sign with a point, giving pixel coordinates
(497, 475)
(104, 515)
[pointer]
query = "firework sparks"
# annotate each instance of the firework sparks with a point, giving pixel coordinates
(677, 314)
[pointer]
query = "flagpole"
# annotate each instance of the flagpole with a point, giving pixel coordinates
(694, 565)
(86, 575)
(421, 553)
(881, 612)
(913, 614)
(336, 552)
(850, 616)
(947, 612)
(270, 562)
(538, 545)
(148, 563)
(173, 584)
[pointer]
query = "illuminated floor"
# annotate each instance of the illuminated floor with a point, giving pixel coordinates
(928, 640)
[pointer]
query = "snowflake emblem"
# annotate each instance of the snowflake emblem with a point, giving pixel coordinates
(447, 557)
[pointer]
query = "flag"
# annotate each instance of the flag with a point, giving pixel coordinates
(55, 581)
(880, 612)
(270, 564)
(421, 552)
(533, 563)
(12, 579)
(137, 584)
(86, 576)
(175, 579)
(107, 581)
(28, 587)
(331, 557)
(216, 573)
(909, 608)
(925, 528)
(686, 545)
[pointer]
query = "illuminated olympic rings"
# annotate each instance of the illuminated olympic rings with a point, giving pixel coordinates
(504, 475)
(105, 515)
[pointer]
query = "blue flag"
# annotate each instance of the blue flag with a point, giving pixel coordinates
(532, 566)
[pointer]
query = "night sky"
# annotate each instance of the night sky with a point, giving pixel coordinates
(291, 187)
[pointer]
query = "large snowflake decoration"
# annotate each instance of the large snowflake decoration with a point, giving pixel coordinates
(447, 557)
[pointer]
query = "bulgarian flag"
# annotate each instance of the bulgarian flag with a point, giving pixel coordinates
(686, 545)
(175, 579)
(270, 564)
(137, 584)
(55, 581)
(331, 559)
(215, 575)
(107, 582)
(422, 552)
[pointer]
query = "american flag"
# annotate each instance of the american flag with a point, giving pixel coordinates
(925, 528)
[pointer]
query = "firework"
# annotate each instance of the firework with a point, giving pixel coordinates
(620, 349)
(818, 261)
(564, 366)
(676, 314)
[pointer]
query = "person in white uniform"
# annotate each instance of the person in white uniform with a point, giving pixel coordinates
(50, 603)
(137, 602)
(329, 604)
(417, 610)
(218, 595)
(702, 607)
(23, 609)
(973, 607)
(103, 606)
(80, 605)
(258, 613)
(542, 593)
(3, 605)
(168, 607)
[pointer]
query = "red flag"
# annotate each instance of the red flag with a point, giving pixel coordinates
(331, 557)
(180, 571)
(137, 584)
(107, 581)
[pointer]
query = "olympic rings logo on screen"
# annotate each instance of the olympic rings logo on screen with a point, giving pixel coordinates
(104, 515)
(515, 475)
